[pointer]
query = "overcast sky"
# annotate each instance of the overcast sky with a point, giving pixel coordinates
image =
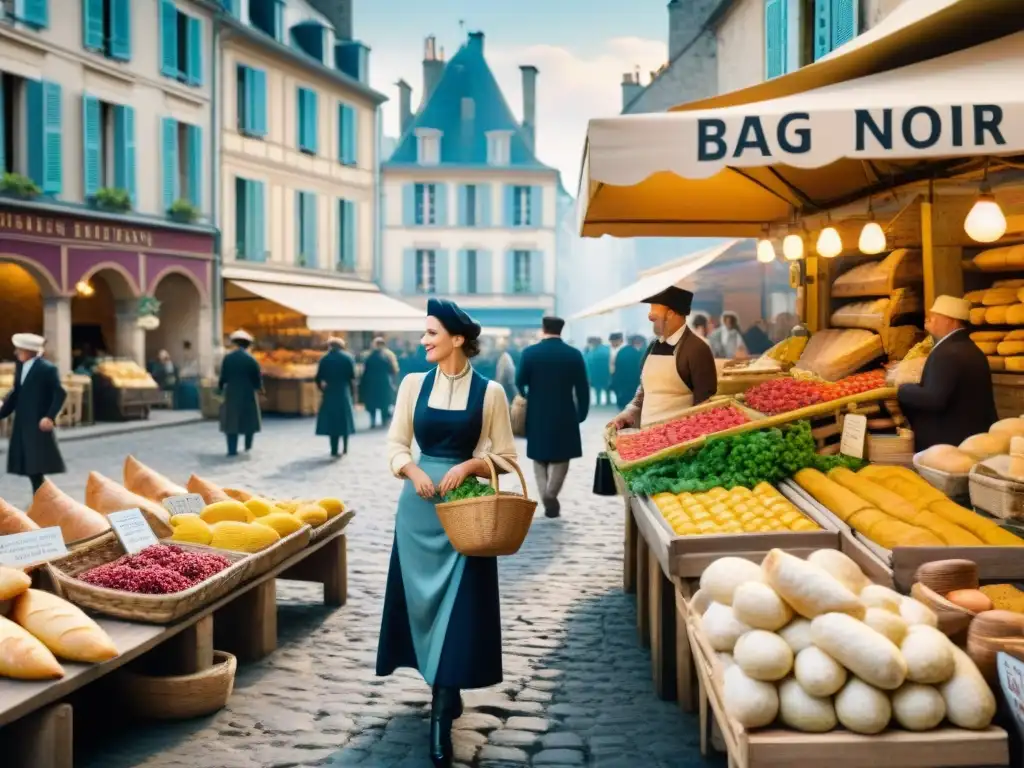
(581, 48)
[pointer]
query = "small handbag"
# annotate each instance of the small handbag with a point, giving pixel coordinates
(604, 476)
(517, 414)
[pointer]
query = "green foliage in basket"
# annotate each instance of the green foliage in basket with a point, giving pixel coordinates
(16, 185)
(763, 456)
(470, 488)
(113, 199)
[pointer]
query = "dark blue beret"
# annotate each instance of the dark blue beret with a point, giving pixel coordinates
(453, 318)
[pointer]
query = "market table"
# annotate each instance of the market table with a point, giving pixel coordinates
(34, 725)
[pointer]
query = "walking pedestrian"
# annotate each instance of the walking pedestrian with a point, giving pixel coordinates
(34, 402)
(377, 384)
(553, 379)
(241, 382)
(626, 376)
(441, 609)
(598, 361)
(334, 377)
(727, 340)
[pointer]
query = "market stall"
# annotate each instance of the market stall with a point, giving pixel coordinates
(123, 390)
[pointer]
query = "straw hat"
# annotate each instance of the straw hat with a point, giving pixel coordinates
(30, 342)
(241, 335)
(951, 306)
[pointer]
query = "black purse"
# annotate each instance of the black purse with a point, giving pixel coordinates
(604, 476)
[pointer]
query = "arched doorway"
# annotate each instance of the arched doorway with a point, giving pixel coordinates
(21, 305)
(95, 328)
(180, 315)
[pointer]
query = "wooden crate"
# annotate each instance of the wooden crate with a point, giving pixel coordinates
(292, 397)
(779, 748)
(884, 419)
(1008, 389)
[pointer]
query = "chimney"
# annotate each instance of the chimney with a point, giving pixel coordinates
(476, 42)
(631, 88)
(529, 104)
(404, 105)
(433, 67)
(339, 14)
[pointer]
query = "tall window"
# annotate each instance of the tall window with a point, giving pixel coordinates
(13, 129)
(471, 272)
(426, 204)
(181, 45)
(108, 147)
(307, 141)
(106, 28)
(249, 220)
(428, 146)
(426, 275)
(251, 101)
(346, 236)
(182, 162)
(521, 271)
(305, 223)
(498, 147)
(34, 13)
(471, 205)
(522, 207)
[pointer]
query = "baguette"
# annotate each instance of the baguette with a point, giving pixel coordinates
(23, 657)
(12, 582)
(63, 627)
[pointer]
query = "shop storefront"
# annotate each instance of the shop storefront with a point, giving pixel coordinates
(84, 283)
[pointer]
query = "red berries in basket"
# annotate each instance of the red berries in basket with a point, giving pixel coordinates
(156, 570)
(636, 445)
(786, 394)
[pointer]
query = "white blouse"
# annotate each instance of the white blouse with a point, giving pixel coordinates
(449, 395)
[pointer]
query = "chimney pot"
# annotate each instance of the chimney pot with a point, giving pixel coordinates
(476, 42)
(433, 68)
(529, 73)
(404, 105)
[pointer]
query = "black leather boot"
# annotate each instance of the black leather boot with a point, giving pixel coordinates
(442, 710)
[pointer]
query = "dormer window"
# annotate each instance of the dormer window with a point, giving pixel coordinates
(428, 146)
(499, 147)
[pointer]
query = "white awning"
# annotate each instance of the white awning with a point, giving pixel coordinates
(656, 280)
(333, 309)
(730, 171)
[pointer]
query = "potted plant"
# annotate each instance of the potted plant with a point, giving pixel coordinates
(182, 210)
(16, 185)
(148, 312)
(303, 260)
(113, 199)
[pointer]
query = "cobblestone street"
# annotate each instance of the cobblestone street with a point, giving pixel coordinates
(577, 687)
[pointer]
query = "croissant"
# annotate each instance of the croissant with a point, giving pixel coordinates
(63, 627)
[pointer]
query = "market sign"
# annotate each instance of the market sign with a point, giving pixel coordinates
(132, 530)
(1011, 679)
(20, 549)
(184, 504)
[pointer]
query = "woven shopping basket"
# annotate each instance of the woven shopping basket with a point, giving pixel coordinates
(489, 526)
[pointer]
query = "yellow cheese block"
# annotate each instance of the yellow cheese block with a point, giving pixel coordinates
(997, 363)
(1010, 348)
(1015, 364)
(978, 316)
(988, 347)
(988, 335)
(996, 315)
(999, 296)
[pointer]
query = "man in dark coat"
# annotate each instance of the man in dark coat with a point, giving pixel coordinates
(599, 371)
(552, 376)
(241, 381)
(377, 385)
(954, 399)
(626, 376)
(334, 377)
(35, 401)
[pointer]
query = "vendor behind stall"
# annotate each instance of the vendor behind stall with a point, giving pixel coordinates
(678, 369)
(954, 399)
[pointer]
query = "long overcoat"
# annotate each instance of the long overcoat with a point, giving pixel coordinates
(377, 385)
(599, 367)
(32, 451)
(240, 381)
(334, 376)
(552, 376)
(626, 377)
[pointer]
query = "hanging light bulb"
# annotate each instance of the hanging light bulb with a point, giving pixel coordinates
(765, 251)
(986, 222)
(84, 289)
(872, 236)
(793, 247)
(829, 243)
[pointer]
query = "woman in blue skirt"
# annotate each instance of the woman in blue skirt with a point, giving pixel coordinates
(441, 609)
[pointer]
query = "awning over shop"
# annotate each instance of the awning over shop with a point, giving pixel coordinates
(655, 280)
(335, 309)
(730, 171)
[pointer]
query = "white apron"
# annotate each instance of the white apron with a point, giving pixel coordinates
(665, 394)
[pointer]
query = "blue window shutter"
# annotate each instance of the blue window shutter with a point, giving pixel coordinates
(312, 249)
(259, 223)
(510, 272)
(259, 102)
(300, 225)
(35, 12)
(462, 272)
(441, 272)
(195, 165)
(844, 22)
(52, 139)
(124, 150)
(775, 38)
(168, 38)
(536, 206)
(408, 205)
(822, 28)
(462, 214)
(353, 133)
(409, 271)
(35, 122)
(484, 272)
(120, 29)
(92, 25)
(536, 271)
(247, 101)
(195, 51)
(349, 233)
(92, 146)
(312, 121)
(347, 129)
(441, 203)
(510, 192)
(483, 205)
(169, 142)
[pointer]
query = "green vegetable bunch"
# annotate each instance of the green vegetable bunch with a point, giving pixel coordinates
(470, 488)
(767, 455)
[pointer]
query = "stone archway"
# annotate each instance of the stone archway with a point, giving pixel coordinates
(181, 310)
(22, 302)
(103, 315)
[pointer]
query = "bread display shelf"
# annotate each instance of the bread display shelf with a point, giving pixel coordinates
(902, 268)
(688, 556)
(897, 567)
(874, 314)
(775, 747)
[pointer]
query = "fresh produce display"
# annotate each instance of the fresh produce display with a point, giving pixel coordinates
(740, 510)
(470, 488)
(289, 364)
(894, 507)
(788, 394)
(125, 374)
(830, 666)
(645, 442)
(157, 570)
(743, 460)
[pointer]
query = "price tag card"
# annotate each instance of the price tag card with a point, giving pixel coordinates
(855, 430)
(1011, 678)
(191, 503)
(133, 530)
(20, 549)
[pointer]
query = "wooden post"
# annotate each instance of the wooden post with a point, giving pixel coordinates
(629, 551)
(643, 619)
(661, 604)
(247, 626)
(327, 566)
(941, 232)
(189, 651)
(686, 674)
(42, 739)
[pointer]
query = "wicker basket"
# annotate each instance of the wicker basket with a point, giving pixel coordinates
(951, 485)
(181, 697)
(998, 496)
(890, 449)
(489, 526)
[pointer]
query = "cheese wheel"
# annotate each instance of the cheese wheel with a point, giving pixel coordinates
(996, 363)
(988, 335)
(996, 315)
(978, 316)
(1014, 314)
(988, 347)
(1008, 348)
(809, 589)
(874, 658)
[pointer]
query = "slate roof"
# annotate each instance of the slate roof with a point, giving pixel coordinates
(464, 142)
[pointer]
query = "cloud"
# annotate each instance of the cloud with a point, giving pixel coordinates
(572, 88)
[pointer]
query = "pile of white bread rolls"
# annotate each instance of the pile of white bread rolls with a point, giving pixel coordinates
(814, 644)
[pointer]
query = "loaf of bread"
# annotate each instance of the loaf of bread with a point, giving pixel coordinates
(978, 315)
(988, 336)
(996, 363)
(51, 506)
(997, 315)
(106, 496)
(1002, 259)
(988, 347)
(23, 657)
(1015, 314)
(210, 492)
(13, 520)
(975, 297)
(140, 479)
(998, 296)
(12, 582)
(63, 627)
(809, 589)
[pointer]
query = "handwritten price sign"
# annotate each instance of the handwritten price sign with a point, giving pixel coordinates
(191, 503)
(21, 549)
(1011, 678)
(133, 530)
